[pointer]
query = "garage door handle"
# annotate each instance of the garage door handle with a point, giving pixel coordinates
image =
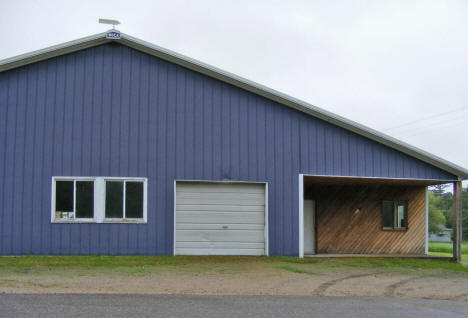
(225, 227)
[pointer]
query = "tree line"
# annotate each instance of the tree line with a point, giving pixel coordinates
(440, 209)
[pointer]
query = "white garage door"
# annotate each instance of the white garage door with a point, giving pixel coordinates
(219, 218)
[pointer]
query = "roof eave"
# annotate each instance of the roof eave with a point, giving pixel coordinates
(53, 51)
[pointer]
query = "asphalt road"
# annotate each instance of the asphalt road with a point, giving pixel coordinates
(59, 305)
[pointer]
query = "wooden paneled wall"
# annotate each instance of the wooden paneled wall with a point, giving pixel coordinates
(349, 219)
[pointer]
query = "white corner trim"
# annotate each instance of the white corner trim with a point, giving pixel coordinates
(427, 222)
(301, 215)
(267, 232)
(174, 220)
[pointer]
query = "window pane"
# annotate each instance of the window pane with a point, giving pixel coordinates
(387, 214)
(84, 199)
(64, 196)
(134, 200)
(401, 215)
(114, 199)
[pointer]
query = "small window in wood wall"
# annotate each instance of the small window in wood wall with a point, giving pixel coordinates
(394, 215)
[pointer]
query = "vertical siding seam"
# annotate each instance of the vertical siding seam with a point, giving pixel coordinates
(129, 123)
(33, 163)
(132, 57)
(193, 126)
(176, 113)
(348, 153)
(247, 113)
(82, 128)
(138, 120)
(221, 118)
(72, 121)
(121, 104)
(158, 142)
(101, 119)
(166, 148)
(14, 159)
(92, 110)
(41, 189)
(99, 234)
(238, 105)
(53, 143)
(63, 121)
(148, 105)
(202, 126)
(109, 146)
(229, 131)
(257, 149)
(283, 214)
(23, 169)
(275, 216)
(213, 156)
(137, 155)
(184, 124)
(4, 183)
(299, 135)
(72, 141)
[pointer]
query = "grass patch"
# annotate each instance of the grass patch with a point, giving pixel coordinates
(441, 254)
(294, 269)
(395, 265)
(295, 260)
(442, 247)
(96, 261)
(200, 265)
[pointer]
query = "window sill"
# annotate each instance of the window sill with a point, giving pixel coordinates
(96, 222)
(402, 229)
(124, 221)
(74, 221)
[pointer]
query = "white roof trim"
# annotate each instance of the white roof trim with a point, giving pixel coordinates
(238, 81)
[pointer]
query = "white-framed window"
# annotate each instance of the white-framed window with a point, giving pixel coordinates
(99, 199)
(73, 199)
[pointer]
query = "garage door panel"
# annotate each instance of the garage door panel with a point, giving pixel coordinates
(218, 226)
(220, 251)
(219, 187)
(220, 201)
(220, 236)
(220, 208)
(219, 217)
(187, 197)
(218, 245)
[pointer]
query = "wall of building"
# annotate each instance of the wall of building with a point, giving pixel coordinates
(349, 219)
(114, 111)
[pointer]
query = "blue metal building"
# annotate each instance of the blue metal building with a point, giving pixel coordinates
(75, 116)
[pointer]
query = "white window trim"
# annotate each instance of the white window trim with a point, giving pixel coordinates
(100, 200)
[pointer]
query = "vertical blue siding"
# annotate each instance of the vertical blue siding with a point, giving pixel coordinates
(114, 111)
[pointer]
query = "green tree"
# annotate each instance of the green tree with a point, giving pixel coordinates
(436, 216)
(439, 189)
(443, 202)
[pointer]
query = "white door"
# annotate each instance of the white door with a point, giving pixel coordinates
(309, 227)
(220, 218)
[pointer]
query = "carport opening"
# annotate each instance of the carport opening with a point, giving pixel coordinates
(364, 216)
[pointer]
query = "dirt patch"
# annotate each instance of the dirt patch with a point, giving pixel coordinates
(247, 279)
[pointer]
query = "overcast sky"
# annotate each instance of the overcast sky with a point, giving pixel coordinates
(400, 67)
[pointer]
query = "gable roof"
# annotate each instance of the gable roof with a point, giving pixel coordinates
(238, 81)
